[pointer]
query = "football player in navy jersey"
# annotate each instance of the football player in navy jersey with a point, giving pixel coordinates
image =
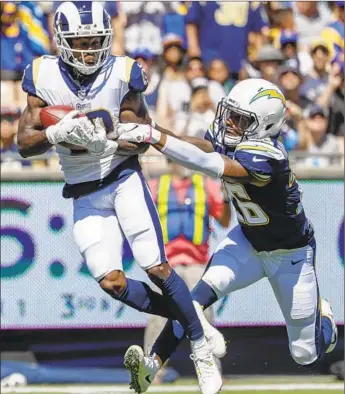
(111, 200)
(273, 238)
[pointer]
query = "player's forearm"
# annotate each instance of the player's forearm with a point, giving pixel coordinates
(31, 141)
(193, 41)
(224, 220)
(190, 156)
(204, 145)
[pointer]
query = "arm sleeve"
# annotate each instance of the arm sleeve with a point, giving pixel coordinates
(193, 14)
(194, 158)
(257, 17)
(137, 80)
(259, 166)
(28, 84)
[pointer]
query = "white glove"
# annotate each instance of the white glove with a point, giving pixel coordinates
(100, 144)
(76, 131)
(134, 132)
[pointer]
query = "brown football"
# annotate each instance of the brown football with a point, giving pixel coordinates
(53, 114)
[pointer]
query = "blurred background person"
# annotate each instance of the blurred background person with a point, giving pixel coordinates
(280, 16)
(221, 30)
(310, 19)
(23, 38)
(218, 71)
(186, 202)
(333, 33)
(315, 82)
(201, 109)
(266, 64)
(318, 141)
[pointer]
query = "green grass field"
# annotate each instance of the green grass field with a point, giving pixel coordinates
(232, 385)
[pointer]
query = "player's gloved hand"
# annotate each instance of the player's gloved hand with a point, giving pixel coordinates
(100, 144)
(77, 131)
(134, 132)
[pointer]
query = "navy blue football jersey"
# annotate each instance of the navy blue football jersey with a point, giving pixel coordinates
(271, 216)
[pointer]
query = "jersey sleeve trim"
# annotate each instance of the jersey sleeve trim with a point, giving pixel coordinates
(28, 84)
(129, 65)
(35, 69)
(262, 149)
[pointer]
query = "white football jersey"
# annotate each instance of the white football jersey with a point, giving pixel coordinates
(48, 78)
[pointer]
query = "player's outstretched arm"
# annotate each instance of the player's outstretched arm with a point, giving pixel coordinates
(32, 139)
(213, 164)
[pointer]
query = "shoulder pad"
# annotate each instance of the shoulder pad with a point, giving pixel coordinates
(135, 76)
(265, 148)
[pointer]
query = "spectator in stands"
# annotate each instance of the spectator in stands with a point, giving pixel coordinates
(280, 16)
(218, 71)
(173, 56)
(333, 97)
(267, 62)
(186, 202)
(22, 39)
(148, 61)
(201, 109)
(333, 33)
(8, 132)
(147, 22)
(310, 19)
(315, 82)
(318, 141)
(221, 30)
(290, 80)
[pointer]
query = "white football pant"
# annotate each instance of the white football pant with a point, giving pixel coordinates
(102, 219)
(291, 273)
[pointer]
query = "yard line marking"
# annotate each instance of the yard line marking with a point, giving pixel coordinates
(93, 389)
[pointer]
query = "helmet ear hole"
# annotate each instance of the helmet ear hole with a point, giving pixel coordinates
(268, 126)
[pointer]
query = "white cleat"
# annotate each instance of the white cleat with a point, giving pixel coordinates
(214, 338)
(326, 310)
(143, 369)
(207, 370)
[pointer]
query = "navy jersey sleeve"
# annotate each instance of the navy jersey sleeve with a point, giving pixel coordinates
(193, 14)
(111, 8)
(261, 160)
(257, 17)
(28, 84)
(138, 80)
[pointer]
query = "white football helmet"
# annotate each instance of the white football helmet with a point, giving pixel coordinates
(254, 109)
(82, 19)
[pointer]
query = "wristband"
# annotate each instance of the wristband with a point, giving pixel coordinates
(153, 123)
(50, 135)
(155, 136)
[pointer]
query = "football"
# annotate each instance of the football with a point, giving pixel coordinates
(53, 114)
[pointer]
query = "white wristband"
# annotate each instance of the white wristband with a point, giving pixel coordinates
(153, 123)
(155, 136)
(51, 135)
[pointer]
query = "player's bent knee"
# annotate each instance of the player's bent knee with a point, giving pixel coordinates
(114, 283)
(303, 354)
(219, 279)
(159, 273)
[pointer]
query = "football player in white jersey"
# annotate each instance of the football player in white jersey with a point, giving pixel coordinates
(110, 196)
(273, 239)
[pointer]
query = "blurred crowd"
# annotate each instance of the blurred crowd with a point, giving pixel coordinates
(194, 53)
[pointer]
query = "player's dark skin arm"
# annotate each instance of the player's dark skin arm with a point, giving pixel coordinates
(32, 140)
(233, 170)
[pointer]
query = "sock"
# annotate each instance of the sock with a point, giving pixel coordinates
(141, 297)
(180, 301)
(167, 342)
(326, 335)
(204, 295)
(173, 333)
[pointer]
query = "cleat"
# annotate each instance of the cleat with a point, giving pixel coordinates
(214, 338)
(143, 369)
(326, 310)
(207, 370)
